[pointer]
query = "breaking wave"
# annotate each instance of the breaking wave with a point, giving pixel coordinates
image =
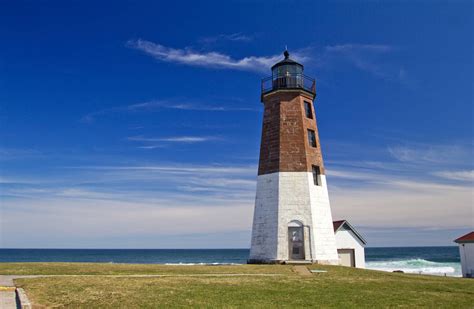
(418, 266)
(208, 264)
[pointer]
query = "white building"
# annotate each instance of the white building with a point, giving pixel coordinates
(466, 251)
(350, 245)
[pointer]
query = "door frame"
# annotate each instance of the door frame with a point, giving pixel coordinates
(296, 225)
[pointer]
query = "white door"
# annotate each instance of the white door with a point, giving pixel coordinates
(346, 257)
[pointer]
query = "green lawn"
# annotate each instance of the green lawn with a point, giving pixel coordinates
(182, 287)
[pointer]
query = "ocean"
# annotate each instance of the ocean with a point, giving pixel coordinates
(420, 260)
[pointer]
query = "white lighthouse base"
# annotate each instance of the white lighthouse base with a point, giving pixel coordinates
(291, 199)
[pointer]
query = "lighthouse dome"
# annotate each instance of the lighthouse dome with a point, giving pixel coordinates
(287, 66)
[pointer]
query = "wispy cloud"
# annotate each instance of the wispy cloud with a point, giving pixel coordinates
(438, 162)
(174, 139)
(164, 199)
(173, 104)
(378, 197)
(233, 37)
(217, 60)
(77, 222)
(185, 104)
(17, 153)
(152, 146)
(144, 184)
(408, 203)
(430, 153)
(467, 175)
(349, 48)
(415, 185)
(369, 58)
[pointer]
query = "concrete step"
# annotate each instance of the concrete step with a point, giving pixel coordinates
(298, 262)
(8, 299)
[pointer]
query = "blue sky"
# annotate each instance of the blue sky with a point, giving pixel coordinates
(137, 125)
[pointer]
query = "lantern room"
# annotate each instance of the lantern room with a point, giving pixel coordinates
(288, 74)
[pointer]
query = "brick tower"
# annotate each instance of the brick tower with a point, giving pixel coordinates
(292, 217)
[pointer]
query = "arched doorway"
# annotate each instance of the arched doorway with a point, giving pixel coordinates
(295, 240)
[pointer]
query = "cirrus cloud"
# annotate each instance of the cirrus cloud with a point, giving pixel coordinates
(217, 60)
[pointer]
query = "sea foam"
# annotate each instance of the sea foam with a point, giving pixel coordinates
(200, 264)
(417, 266)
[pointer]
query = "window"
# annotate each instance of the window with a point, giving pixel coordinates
(316, 175)
(307, 109)
(312, 138)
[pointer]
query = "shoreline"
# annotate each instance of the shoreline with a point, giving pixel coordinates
(435, 261)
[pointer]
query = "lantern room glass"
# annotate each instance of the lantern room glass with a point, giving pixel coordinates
(287, 76)
(287, 70)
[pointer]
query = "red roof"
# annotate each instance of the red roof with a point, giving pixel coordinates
(469, 237)
(337, 224)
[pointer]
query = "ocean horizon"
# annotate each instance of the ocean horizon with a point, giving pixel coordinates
(442, 261)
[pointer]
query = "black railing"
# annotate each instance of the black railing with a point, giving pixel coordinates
(289, 81)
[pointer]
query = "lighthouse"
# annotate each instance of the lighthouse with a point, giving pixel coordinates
(292, 217)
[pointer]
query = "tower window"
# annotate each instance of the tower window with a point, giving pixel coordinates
(307, 109)
(312, 138)
(316, 175)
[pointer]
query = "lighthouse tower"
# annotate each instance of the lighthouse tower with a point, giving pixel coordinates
(292, 217)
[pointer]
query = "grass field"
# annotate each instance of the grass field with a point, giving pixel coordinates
(101, 285)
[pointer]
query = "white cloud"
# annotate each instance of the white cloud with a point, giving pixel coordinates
(160, 200)
(80, 220)
(173, 139)
(403, 192)
(177, 168)
(151, 146)
(166, 200)
(407, 204)
(184, 104)
(456, 175)
(378, 198)
(431, 154)
(233, 37)
(176, 104)
(154, 184)
(129, 201)
(368, 58)
(212, 59)
(16, 153)
(380, 48)
(353, 174)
